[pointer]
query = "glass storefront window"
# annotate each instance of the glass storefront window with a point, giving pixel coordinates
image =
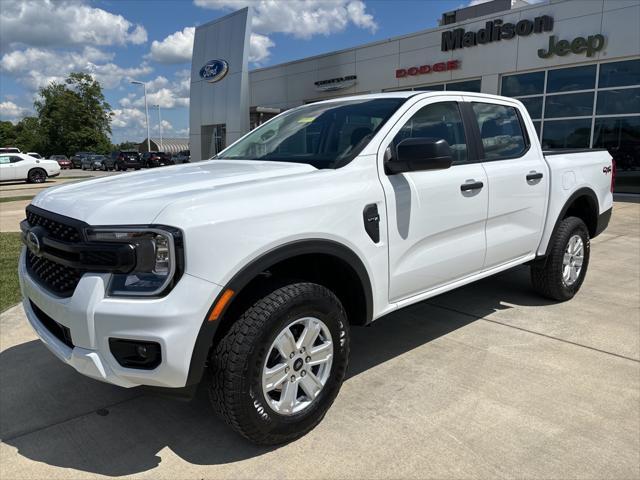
(621, 136)
(466, 86)
(523, 84)
(613, 102)
(569, 105)
(574, 133)
(619, 74)
(570, 79)
(425, 88)
(533, 106)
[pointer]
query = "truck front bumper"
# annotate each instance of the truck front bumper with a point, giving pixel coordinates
(89, 319)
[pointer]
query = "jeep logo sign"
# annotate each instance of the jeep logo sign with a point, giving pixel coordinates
(214, 70)
(589, 45)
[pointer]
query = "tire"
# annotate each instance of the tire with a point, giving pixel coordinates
(36, 175)
(548, 275)
(237, 363)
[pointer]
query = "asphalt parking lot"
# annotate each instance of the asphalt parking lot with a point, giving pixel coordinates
(487, 381)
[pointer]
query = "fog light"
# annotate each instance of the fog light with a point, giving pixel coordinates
(135, 353)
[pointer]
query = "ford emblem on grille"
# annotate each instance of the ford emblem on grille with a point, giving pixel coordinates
(214, 70)
(33, 241)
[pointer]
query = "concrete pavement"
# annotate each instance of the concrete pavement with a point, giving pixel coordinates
(11, 213)
(487, 381)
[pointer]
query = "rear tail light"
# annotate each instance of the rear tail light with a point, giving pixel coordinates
(613, 173)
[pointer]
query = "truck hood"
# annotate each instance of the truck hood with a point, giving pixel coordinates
(138, 198)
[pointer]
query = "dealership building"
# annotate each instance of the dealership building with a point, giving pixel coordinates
(575, 64)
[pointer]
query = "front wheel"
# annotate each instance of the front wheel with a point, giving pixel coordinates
(37, 175)
(559, 276)
(277, 371)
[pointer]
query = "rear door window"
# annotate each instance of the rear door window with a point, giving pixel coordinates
(500, 130)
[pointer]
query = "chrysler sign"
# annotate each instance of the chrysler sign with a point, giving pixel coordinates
(338, 83)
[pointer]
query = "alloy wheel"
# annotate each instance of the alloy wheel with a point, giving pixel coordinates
(297, 366)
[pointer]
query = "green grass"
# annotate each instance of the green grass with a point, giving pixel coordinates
(15, 199)
(9, 252)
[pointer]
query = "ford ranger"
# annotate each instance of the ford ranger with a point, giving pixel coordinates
(248, 270)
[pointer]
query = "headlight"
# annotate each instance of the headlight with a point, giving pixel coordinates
(159, 259)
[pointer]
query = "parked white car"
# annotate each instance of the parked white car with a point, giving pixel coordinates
(20, 166)
(257, 263)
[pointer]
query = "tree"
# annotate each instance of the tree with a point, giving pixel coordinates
(74, 116)
(29, 136)
(7, 134)
(126, 145)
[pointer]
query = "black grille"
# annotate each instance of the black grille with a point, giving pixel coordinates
(61, 332)
(55, 228)
(57, 278)
(60, 279)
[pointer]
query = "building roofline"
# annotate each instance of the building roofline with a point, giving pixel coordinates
(407, 35)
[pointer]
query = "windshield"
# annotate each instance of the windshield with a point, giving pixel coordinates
(324, 135)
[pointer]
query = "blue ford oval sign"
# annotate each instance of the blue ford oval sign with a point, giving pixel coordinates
(214, 70)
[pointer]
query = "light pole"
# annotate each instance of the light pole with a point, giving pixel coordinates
(146, 111)
(160, 127)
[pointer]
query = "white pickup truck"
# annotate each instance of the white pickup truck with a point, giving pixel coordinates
(249, 269)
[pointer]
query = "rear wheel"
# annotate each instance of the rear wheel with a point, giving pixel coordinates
(37, 175)
(559, 276)
(277, 371)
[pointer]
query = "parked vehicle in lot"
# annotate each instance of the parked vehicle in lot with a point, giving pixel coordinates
(9, 150)
(183, 156)
(62, 160)
(20, 166)
(124, 160)
(35, 155)
(77, 159)
(258, 262)
(156, 159)
(87, 162)
(98, 162)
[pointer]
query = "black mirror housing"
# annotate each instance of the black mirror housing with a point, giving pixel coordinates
(417, 154)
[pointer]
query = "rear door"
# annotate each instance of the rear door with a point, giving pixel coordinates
(518, 180)
(436, 222)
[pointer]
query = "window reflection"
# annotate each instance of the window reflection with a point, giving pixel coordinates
(569, 79)
(567, 133)
(611, 102)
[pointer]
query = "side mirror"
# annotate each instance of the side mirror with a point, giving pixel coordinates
(417, 154)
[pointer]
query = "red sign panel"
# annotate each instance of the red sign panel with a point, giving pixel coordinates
(423, 69)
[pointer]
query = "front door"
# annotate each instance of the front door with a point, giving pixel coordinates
(518, 183)
(436, 221)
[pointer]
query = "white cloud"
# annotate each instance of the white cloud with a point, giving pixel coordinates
(129, 118)
(302, 19)
(129, 123)
(36, 67)
(164, 97)
(176, 48)
(49, 23)
(259, 47)
(12, 112)
(163, 92)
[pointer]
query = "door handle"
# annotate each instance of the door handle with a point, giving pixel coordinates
(465, 187)
(534, 176)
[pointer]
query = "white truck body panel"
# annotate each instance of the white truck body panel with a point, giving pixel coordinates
(433, 237)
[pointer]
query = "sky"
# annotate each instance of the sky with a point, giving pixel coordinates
(151, 41)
